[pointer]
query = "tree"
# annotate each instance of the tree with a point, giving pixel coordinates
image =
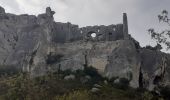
(162, 37)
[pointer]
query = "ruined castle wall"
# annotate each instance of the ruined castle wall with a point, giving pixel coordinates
(104, 33)
(65, 32)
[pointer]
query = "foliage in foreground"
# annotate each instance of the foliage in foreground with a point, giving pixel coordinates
(108, 92)
(163, 36)
(54, 87)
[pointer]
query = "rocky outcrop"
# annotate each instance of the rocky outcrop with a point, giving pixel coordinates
(2, 10)
(38, 44)
(154, 69)
(124, 62)
(24, 40)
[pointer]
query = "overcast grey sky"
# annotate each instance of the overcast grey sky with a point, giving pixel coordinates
(142, 14)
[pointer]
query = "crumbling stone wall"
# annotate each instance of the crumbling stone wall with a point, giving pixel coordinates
(103, 33)
(67, 32)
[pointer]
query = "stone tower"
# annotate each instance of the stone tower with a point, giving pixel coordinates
(125, 26)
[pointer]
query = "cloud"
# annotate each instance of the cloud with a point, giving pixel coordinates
(9, 5)
(32, 6)
(142, 14)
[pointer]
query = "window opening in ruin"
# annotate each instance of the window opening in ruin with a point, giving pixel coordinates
(93, 35)
(81, 31)
(110, 33)
(114, 29)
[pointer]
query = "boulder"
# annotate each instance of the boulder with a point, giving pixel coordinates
(69, 77)
(97, 86)
(116, 81)
(85, 79)
(94, 90)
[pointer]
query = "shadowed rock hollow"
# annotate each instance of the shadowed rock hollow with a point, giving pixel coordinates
(38, 44)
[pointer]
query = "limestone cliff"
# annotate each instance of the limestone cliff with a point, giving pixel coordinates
(38, 44)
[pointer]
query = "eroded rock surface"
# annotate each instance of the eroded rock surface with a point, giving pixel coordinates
(154, 68)
(38, 44)
(124, 62)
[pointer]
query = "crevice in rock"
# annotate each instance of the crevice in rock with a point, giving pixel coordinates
(160, 77)
(140, 78)
(85, 59)
(32, 57)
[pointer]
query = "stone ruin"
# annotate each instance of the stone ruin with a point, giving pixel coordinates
(38, 44)
(67, 32)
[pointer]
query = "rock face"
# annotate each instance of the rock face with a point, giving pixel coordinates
(38, 44)
(2, 10)
(24, 40)
(154, 68)
(124, 62)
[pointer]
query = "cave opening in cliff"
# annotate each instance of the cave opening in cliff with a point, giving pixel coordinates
(53, 58)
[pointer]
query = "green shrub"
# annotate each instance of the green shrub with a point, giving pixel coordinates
(165, 92)
(147, 96)
(53, 87)
(8, 70)
(93, 73)
(111, 80)
(124, 81)
(123, 84)
(76, 95)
